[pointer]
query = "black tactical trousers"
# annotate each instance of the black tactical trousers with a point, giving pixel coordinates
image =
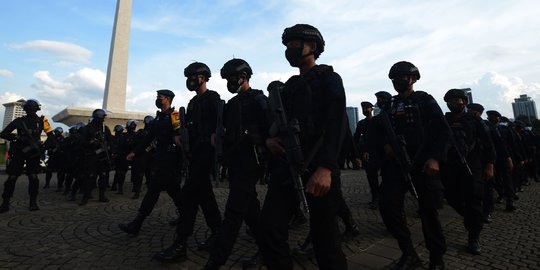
(15, 169)
(391, 202)
(162, 180)
(279, 206)
(242, 205)
(94, 169)
(503, 181)
(489, 201)
(465, 194)
(121, 167)
(166, 177)
(372, 173)
(198, 191)
(138, 168)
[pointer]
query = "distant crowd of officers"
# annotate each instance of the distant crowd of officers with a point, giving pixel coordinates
(296, 141)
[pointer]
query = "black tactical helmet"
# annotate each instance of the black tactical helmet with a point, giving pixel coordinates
(403, 68)
(236, 66)
(455, 93)
(366, 104)
(131, 124)
(197, 68)
(31, 105)
(476, 107)
(383, 94)
(520, 123)
(58, 130)
(118, 128)
(275, 85)
(304, 32)
(148, 119)
(99, 114)
(166, 92)
(494, 113)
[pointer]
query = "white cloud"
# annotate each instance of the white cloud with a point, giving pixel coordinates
(83, 88)
(9, 97)
(66, 52)
(496, 92)
(6, 73)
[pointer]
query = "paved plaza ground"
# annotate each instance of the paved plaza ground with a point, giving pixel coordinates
(63, 235)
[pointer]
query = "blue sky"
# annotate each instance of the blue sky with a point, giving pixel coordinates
(57, 50)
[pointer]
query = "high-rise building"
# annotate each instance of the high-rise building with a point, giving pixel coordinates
(524, 106)
(468, 93)
(13, 110)
(352, 114)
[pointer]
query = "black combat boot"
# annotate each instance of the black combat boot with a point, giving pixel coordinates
(84, 200)
(211, 265)
(254, 262)
(207, 244)
(33, 204)
(408, 261)
(510, 205)
(305, 249)
(133, 227)
(351, 232)
(174, 222)
(474, 246)
(120, 190)
(176, 252)
(135, 195)
(102, 197)
(5, 206)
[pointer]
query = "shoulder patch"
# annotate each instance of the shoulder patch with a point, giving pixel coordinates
(46, 126)
(175, 120)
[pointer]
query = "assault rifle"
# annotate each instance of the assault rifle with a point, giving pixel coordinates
(400, 151)
(289, 134)
(218, 155)
(453, 142)
(32, 148)
(104, 148)
(184, 137)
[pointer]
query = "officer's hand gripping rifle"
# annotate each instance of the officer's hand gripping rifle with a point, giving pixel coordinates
(400, 152)
(184, 137)
(289, 135)
(218, 155)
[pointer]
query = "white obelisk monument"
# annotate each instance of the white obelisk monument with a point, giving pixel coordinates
(114, 97)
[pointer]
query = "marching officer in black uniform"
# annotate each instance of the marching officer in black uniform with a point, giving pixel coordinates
(142, 164)
(115, 147)
(246, 124)
(25, 148)
(96, 140)
(469, 165)
(163, 131)
(504, 164)
(366, 137)
(488, 203)
(201, 120)
(73, 151)
(418, 120)
(57, 159)
(316, 98)
(125, 146)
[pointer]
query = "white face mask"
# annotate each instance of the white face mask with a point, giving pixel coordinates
(528, 128)
(504, 124)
